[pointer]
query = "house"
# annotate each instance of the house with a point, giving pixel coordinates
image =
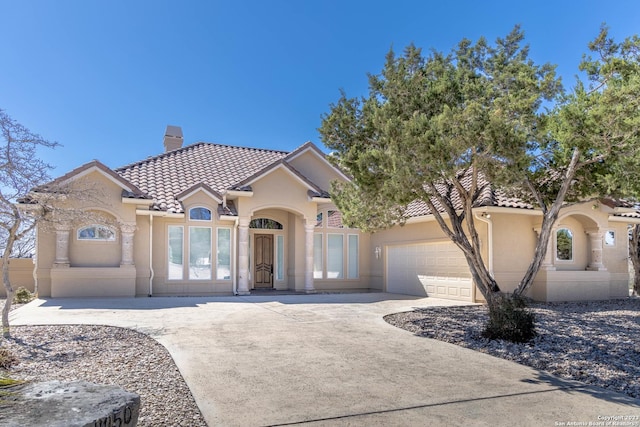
(208, 219)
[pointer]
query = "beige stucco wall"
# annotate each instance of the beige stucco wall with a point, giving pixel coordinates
(20, 274)
(421, 231)
(317, 170)
(514, 240)
(94, 266)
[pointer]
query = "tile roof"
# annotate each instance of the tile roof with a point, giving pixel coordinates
(219, 167)
(488, 196)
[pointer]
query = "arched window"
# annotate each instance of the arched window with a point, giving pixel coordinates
(265, 223)
(200, 214)
(96, 232)
(564, 245)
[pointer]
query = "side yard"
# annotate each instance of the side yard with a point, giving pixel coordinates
(597, 343)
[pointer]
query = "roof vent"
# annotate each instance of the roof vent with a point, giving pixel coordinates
(173, 138)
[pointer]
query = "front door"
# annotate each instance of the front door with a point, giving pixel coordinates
(264, 261)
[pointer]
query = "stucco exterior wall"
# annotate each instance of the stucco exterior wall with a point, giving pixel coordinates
(315, 169)
(20, 274)
(414, 232)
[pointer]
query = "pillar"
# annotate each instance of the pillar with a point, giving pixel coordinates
(127, 232)
(62, 245)
(309, 228)
(595, 242)
(243, 256)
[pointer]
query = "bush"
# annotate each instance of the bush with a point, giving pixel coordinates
(22, 296)
(510, 319)
(7, 359)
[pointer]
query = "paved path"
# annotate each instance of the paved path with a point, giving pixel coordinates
(332, 360)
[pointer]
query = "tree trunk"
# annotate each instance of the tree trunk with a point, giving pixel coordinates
(634, 254)
(6, 332)
(548, 220)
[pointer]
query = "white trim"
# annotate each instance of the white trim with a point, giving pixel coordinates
(357, 276)
(159, 213)
(239, 193)
(132, 201)
(320, 199)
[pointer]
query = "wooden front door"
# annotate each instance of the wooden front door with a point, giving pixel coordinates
(264, 261)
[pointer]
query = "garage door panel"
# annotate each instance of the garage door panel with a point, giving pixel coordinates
(428, 269)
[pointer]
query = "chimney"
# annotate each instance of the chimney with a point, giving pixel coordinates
(173, 138)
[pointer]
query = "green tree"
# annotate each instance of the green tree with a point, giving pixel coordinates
(440, 129)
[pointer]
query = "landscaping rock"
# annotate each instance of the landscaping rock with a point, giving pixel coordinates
(71, 404)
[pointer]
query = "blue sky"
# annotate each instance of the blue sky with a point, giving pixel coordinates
(104, 78)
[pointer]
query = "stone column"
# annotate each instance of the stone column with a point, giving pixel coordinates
(62, 245)
(547, 261)
(243, 256)
(309, 228)
(127, 232)
(595, 241)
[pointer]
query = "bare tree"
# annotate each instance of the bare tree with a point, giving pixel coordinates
(20, 171)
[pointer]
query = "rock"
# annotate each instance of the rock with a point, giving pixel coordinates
(70, 404)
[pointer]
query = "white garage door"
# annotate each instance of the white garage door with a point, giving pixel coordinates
(428, 269)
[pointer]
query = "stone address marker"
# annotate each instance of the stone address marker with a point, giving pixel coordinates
(72, 404)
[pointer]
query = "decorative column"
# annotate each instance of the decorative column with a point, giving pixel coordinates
(62, 245)
(243, 256)
(127, 232)
(595, 241)
(309, 228)
(547, 261)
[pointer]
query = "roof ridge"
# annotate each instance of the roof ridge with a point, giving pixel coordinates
(191, 146)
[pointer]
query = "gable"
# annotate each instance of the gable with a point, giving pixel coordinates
(316, 167)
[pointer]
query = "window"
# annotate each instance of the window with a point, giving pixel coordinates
(317, 256)
(265, 224)
(352, 256)
(610, 238)
(319, 220)
(200, 214)
(334, 219)
(335, 253)
(223, 267)
(96, 232)
(564, 245)
(176, 260)
(200, 253)
(279, 257)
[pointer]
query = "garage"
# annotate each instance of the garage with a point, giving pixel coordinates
(434, 269)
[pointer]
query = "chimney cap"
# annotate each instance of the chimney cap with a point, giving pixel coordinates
(173, 131)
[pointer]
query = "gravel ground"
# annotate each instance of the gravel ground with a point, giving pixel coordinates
(107, 355)
(597, 343)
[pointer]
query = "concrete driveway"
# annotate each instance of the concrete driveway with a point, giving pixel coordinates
(332, 360)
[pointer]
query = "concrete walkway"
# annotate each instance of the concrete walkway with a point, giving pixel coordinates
(332, 360)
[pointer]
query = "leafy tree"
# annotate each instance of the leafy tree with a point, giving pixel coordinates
(437, 130)
(441, 129)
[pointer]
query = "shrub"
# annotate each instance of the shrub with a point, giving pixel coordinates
(22, 296)
(7, 359)
(510, 319)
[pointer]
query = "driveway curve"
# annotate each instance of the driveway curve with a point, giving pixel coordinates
(330, 359)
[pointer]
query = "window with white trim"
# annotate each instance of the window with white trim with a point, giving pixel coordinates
(199, 214)
(97, 232)
(223, 258)
(279, 257)
(200, 253)
(353, 256)
(317, 256)
(176, 252)
(335, 256)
